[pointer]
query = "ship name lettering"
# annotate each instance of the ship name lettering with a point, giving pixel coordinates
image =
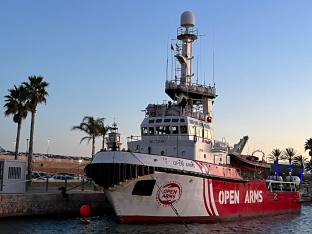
(253, 196)
(229, 197)
(169, 193)
(179, 162)
(158, 141)
(191, 164)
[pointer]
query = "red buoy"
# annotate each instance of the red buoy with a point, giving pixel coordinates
(85, 210)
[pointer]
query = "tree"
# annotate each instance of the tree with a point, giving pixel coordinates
(300, 161)
(308, 166)
(289, 154)
(275, 155)
(37, 94)
(90, 126)
(308, 146)
(102, 130)
(16, 104)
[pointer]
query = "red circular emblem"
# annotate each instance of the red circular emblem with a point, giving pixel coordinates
(169, 193)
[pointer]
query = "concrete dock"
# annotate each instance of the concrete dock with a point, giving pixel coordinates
(42, 200)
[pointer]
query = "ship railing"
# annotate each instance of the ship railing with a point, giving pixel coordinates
(275, 185)
(133, 138)
(198, 88)
(249, 174)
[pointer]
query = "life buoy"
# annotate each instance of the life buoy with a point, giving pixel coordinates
(195, 138)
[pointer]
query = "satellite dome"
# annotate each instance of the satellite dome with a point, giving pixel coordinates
(187, 19)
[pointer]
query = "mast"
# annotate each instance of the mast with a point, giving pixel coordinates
(194, 99)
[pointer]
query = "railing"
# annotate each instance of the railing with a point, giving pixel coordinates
(198, 88)
(274, 185)
(56, 185)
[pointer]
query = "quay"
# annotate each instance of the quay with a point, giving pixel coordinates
(48, 197)
(42, 200)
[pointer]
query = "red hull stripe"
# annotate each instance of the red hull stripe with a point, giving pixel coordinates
(208, 209)
(207, 192)
(200, 219)
(205, 200)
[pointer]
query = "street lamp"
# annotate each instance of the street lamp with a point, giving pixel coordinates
(48, 147)
(79, 161)
(14, 144)
(27, 149)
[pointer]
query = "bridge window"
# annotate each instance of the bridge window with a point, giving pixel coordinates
(191, 121)
(167, 120)
(174, 129)
(183, 129)
(182, 120)
(144, 131)
(195, 122)
(151, 121)
(158, 120)
(162, 130)
(175, 120)
(151, 131)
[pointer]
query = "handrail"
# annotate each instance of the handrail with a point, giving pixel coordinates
(281, 185)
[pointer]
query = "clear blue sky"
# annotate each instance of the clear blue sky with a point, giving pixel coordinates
(108, 59)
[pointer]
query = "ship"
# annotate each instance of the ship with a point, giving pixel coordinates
(175, 170)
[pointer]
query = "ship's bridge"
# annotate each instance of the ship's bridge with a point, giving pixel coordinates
(178, 136)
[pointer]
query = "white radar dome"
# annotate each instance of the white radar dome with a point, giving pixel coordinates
(187, 19)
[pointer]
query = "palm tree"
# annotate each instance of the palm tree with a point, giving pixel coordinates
(275, 155)
(308, 166)
(102, 130)
(16, 105)
(300, 161)
(289, 154)
(90, 126)
(308, 146)
(37, 94)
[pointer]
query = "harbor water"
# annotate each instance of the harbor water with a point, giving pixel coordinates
(288, 223)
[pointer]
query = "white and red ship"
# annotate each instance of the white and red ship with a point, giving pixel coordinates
(176, 171)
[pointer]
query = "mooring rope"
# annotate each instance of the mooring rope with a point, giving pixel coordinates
(170, 204)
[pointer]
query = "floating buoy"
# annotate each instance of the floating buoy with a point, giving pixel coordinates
(85, 210)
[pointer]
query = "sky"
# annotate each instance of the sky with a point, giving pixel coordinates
(108, 59)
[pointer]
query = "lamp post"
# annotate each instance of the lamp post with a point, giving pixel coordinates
(79, 161)
(48, 147)
(14, 144)
(27, 149)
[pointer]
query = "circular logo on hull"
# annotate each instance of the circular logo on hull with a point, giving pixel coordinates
(169, 193)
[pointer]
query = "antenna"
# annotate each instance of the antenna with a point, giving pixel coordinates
(167, 59)
(213, 80)
(197, 71)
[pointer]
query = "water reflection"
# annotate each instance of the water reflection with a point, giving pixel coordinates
(289, 223)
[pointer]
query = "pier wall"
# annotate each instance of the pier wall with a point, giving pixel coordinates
(47, 204)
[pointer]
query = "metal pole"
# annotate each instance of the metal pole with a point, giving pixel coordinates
(27, 149)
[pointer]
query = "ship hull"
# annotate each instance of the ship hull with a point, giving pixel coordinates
(178, 198)
(144, 188)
